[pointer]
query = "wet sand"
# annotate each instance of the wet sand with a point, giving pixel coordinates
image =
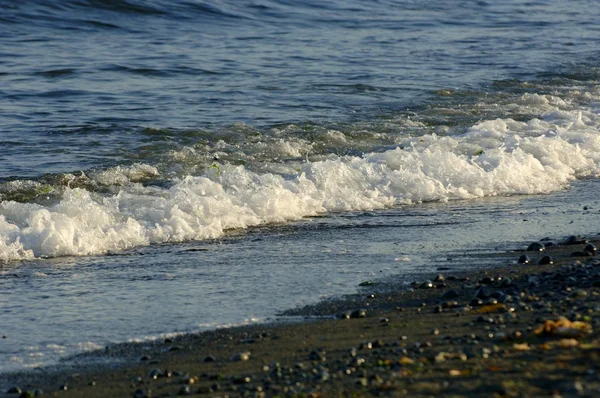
(486, 333)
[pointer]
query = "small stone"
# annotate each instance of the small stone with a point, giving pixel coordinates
(209, 358)
(241, 356)
(575, 240)
(590, 248)
(145, 358)
(155, 373)
(184, 390)
(426, 285)
(141, 393)
(27, 394)
(317, 355)
(536, 247)
(14, 390)
(524, 259)
(439, 278)
(546, 260)
(450, 294)
(476, 302)
(63, 387)
(360, 313)
(483, 293)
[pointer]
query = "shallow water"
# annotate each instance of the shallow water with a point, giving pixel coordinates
(174, 166)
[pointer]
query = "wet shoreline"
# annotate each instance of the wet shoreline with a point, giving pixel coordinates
(459, 334)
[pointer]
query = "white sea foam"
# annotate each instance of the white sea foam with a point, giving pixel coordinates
(493, 157)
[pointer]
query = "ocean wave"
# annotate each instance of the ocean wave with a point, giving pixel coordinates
(493, 157)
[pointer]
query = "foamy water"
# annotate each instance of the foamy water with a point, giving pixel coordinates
(491, 158)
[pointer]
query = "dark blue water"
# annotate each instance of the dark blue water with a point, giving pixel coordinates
(83, 81)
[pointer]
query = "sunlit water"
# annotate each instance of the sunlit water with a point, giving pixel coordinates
(177, 166)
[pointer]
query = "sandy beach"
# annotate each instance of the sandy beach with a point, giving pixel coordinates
(519, 330)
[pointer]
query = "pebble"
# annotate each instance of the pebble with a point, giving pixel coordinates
(426, 285)
(141, 393)
(14, 390)
(209, 358)
(546, 260)
(241, 356)
(450, 294)
(524, 259)
(536, 247)
(360, 313)
(155, 373)
(574, 240)
(590, 248)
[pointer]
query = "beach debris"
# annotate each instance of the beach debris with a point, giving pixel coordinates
(241, 356)
(521, 346)
(524, 259)
(536, 247)
(546, 260)
(493, 307)
(406, 361)
(564, 328)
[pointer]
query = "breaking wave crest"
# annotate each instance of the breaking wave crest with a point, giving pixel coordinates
(490, 158)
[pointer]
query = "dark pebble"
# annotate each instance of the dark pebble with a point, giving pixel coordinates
(439, 278)
(27, 394)
(575, 240)
(483, 293)
(14, 390)
(63, 387)
(506, 283)
(450, 304)
(209, 358)
(366, 283)
(590, 248)
(145, 358)
(426, 285)
(184, 390)
(450, 294)
(475, 302)
(155, 373)
(546, 260)
(524, 259)
(361, 313)
(536, 247)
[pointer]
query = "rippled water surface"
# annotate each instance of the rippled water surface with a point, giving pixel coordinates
(168, 166)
